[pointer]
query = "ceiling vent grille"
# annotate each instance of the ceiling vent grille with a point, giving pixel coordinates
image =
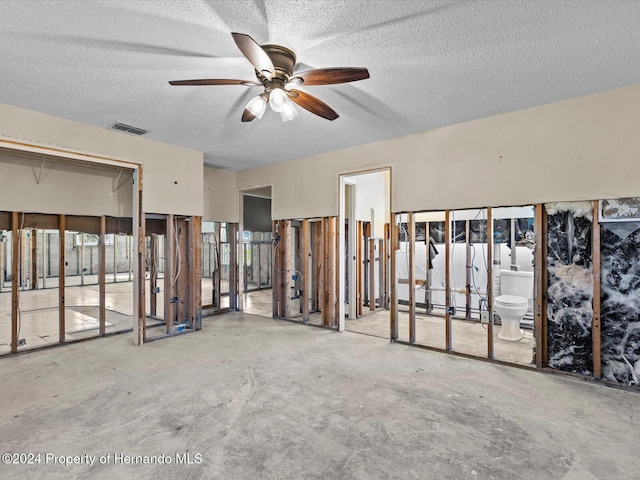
(123, 127)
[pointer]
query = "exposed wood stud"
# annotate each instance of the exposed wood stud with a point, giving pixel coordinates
(15, 237)
(386, 264)
(381, 262)
(359, 268)
(393, 300)
(2, 265)
(287, 270)
(195, 266)
(305, 271)
(34, 259)
(115, 258)
(217, 273)
(411, 227)
(331, 272)
(427, 283)
(447, 269)
(325, 270)
(468, 267)
(275, 272)
(141, 262)
(490, 352)
(82, 238)
(102, 275)
(45, 255)
(595, 326)
(169, 267)
(232, 237)
(544, 353)
(318, 258)
(153, 275)
(539, 289)
(61, 277)
(372, 275)
(336, 270)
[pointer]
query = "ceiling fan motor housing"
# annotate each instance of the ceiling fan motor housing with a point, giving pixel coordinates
(283, 60)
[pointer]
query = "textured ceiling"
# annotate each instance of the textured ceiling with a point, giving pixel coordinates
(432, 64)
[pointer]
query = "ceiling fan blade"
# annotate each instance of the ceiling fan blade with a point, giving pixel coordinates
(331, 76)
(215, 81)
(255, 54)
(313, 104)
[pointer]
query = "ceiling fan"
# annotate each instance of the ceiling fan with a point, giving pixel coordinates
(274, 71)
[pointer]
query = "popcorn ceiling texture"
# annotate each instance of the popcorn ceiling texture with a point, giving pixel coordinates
(432, 64)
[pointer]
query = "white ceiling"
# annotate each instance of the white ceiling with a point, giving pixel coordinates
(432, 64)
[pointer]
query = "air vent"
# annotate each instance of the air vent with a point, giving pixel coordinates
(217, 165)
(123, 127)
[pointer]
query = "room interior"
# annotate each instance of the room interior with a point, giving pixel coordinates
(459, 177)
(56, 147)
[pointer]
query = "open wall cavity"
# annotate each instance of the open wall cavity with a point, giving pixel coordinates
(219, 266)
(465, 281)
(75, 261)
(549, 286)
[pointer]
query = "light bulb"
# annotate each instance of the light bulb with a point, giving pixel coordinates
(277, 99)
(257, 106)
(289, 112)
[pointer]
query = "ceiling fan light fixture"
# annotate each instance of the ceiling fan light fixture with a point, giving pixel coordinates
(289, 112)
(278, 99)
(257, 106)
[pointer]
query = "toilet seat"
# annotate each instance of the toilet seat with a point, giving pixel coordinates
(512, 301)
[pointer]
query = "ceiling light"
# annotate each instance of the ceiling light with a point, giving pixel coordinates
(289, 111)
(257, 106)
(278, 99)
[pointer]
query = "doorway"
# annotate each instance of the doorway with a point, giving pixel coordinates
(365, 200)
(256, 252)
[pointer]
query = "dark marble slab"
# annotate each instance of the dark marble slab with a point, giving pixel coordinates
(620, 302)
(569, 293)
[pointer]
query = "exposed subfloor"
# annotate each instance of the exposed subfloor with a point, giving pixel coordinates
(255, 398)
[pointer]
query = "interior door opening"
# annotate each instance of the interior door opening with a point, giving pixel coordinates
(364, 253)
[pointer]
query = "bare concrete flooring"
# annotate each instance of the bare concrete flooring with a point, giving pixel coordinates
(468, 337)
(255, 398)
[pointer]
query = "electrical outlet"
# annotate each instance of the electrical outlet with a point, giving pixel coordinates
(484, 317)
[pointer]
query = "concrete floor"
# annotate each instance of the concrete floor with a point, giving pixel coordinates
(259, 398)
(467, 337)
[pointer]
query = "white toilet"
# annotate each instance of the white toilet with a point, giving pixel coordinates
(516, 289)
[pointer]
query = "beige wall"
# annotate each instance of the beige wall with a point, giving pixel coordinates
(220, 196)
(583, 148)
(172, 176)
(63, 188)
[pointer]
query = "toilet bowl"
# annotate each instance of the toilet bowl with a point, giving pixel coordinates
(511, 309)
(516, 288)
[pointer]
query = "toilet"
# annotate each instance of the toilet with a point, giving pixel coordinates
(517, 289)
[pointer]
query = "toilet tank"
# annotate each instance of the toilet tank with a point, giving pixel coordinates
(516, 283)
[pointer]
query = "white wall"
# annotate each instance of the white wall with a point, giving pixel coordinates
(578, 149)
(372, 192)
(172, 176)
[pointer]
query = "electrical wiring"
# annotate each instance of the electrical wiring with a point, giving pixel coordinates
(178, 257)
